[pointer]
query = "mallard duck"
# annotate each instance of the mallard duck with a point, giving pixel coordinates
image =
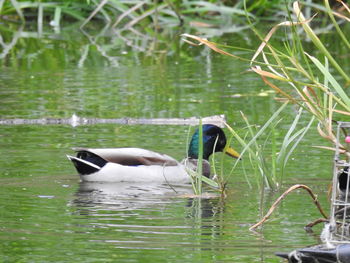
(140, 165)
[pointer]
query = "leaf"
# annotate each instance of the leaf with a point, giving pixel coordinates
(298, 138)
(342, 112)
(17, 6)
(127, 13)
(317, 42)
(271, 32)
(93, 13)
(210, 182)
(332, 80)
(268, 74)
(206, 6)
(329, 148)
(263, 75)
(209, 44)
(346, 7)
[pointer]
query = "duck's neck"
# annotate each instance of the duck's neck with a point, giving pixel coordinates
(193, 150)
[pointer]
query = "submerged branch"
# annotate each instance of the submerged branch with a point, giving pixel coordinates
(275, 204)
(316, 222)
(75, 120)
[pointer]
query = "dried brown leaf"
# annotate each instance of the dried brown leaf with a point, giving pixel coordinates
(267, 74)
(271, 32)
(329, 148)
(304, 94)
(263, 74)
(345, 6)
(201, 24)
(342, 112)
(209, 44)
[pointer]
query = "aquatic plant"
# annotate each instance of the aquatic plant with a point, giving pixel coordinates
(118, 13)
(149, 27)
(196, 176)
(206, 16)
(314, 86)
(109, 26)
(268, 159)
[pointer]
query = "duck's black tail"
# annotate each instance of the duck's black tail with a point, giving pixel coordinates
(87, 162)
(84, 167)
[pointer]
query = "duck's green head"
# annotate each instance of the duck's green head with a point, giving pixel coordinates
(211, 134)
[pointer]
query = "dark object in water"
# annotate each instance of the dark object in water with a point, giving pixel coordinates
(319, 254)
(343, 179)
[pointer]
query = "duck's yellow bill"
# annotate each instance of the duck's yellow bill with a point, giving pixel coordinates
(231, 152)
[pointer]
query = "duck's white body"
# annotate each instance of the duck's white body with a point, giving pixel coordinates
(128, 165)
(113, 172)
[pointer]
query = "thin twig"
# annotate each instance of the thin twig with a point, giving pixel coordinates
(127, 12)
(178, 14)
(144, 15)
(18, 9)
(275, 204)
(166, 180)
(98, 8)
(315, 222)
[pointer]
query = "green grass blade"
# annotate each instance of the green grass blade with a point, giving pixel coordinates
(298, 139)
(286, 139)
(1, 5)
(40, 18)
(254, 152)
(206, 6)
(340, 33)
(267, 124)
(57, 16)
(214, 155)
(318, 43)
(331, 80)
(200, 158)
(18, 9)
(210, 182)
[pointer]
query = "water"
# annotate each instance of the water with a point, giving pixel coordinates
(46, 214)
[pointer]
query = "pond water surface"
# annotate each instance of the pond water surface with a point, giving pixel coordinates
(48, 215)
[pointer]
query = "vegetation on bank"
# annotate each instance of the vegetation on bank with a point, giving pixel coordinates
(126, 14)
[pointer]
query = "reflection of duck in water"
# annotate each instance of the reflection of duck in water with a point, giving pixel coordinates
(126, 196)
(140, 165)
(205, 207)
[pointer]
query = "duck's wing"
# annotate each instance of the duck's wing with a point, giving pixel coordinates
(129, 156)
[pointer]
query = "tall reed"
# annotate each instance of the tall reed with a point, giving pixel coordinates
(301, 78)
